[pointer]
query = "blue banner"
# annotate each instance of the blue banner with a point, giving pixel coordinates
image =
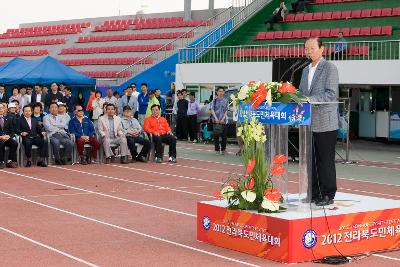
(394, 125)
(277, 113)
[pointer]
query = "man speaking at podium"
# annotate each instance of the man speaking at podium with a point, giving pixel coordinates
(320, 83)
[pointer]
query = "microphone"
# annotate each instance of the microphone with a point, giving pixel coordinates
(289, 69)
(308, 61)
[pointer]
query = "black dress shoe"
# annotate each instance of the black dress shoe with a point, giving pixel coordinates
(58, 162)
(2, 165)
(325, 201)
(41, 164)
(28, 163)
(141, 159)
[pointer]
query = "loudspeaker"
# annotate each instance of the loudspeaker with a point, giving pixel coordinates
(281, 72)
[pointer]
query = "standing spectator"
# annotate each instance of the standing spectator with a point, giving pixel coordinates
(62, 88)
(55, 127)
(299, 5)
(133, 131)
(182, 117)
(109, 98)
(128, 100)
(3, 95)
(97, 106)
(45, 90)
(89, 107)
(340, 47)
(38, 95)
(134, 89)
(193, 110)
(143, 101)
(116, 95)
(160, 132)
(53, 97)
(277, 16)
(16, 96)
(32, 134)
(7, 140)
(110, 129)
(152, 101)
(219, 110)
(161, 100)
(28, 96)
(80, 100)
(83, 129)
(170, 96)
(69, 100)
(62, 111)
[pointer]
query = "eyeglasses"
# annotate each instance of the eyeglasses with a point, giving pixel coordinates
(79, 110)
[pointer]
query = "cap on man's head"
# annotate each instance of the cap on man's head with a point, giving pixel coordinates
(61, 104)
(12, 105)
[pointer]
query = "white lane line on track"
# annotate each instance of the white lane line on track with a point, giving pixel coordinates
(386, 257)
(134, 182)
(239, 165)
(59, 195)
(133, 231)
(102, 194)
(47, 246)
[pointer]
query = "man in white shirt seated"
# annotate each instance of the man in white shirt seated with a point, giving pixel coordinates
(62, 111)
(133, 131)
(55, 127)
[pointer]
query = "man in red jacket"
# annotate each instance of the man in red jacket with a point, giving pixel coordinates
(161, 132)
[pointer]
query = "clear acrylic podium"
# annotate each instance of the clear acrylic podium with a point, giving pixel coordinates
(277, 118)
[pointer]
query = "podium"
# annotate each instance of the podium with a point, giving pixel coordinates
(303, 232)
(277, 118)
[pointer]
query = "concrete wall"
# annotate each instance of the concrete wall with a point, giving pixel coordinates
(372, 72)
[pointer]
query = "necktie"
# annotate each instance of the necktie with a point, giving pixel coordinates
(1, 122)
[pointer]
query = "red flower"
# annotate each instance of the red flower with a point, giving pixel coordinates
(272, 194)
(250, 166)
(287, 88)
(278, 170)
(279, 159)
(218, 195)
(249, 185)
(233, 184)
(259, 96)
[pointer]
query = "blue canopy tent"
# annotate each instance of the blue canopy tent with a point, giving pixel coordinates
(43, 71)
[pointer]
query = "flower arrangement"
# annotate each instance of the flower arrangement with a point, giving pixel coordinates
(259, 92)
(255, 189)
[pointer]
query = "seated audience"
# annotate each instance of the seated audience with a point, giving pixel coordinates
(7, 135)
(32, 134)
(109, 98)
(160, 132)
(3, 95)
(55, 128)
(38, 112)
(83, 129)
(133, 132)
(53, 97)
(13, 115)
(16, 96)
(110, 129)
(62, 111)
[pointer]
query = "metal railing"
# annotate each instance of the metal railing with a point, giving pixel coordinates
(222, 23)
(359, 50)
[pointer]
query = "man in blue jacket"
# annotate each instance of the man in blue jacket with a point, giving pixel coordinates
(83, 129)
(143, 100)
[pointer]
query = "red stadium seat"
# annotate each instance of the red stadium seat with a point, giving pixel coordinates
(386, 12)
(315, 33)
(365, 31)
(287, 34)
(261, 36)
(396, 11)
(305, 33)
(308, 17)
(327, 15)
(346, 14)
(296, 34)
(334, 32)
(354, 32)
(325, 33)
(345, 31)
(363, 50)
(289, 17)
(376, 13)
(317, 16)
(299, 17)
(366, 13)
(376, 30)
(278, 35)
(356, 14)
(269, 35)
(387, 30)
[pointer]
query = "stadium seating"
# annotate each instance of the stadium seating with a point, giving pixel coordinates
(105, 61)
(33, 43)
(132, 37)
(107, 74)
(346, 14)
(115, 49)
(320, 2)
(42, 52)
(347, 32)
(45, 30)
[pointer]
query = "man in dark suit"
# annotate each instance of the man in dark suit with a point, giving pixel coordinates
(32, 134)
(38, 95)
(320, 83)
(3, 95)
(7, 140)
(54, 96)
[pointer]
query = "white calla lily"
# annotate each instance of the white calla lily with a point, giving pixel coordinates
(270, 205)
(269, 97)
(227, 192)
(249, 195)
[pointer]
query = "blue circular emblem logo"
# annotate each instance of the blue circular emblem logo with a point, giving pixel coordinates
(309, 238)
(206, 223)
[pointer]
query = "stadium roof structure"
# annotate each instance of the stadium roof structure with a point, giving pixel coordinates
(45, 70)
